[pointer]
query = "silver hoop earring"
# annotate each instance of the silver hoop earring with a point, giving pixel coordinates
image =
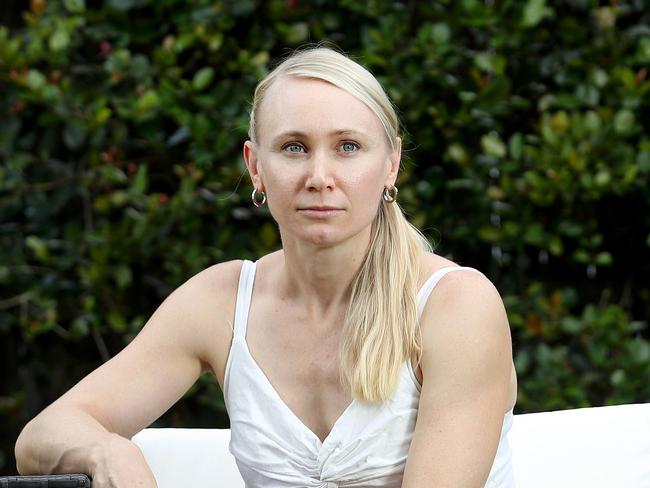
(390, 194)
(257, 202)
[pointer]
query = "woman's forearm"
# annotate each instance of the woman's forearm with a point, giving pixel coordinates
(62, 440)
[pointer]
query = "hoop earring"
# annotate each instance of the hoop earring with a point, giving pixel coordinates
(256, 202)
(390, 194)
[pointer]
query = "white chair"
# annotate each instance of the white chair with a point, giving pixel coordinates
(606, 447)
(182, 458)
(603, 447)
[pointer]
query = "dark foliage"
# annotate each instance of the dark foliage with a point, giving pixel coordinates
(121, 125)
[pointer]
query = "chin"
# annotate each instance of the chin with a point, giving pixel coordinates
(326, 235)
(323, 238)
(322, 234)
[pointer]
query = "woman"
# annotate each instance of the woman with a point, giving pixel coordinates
(354, 356)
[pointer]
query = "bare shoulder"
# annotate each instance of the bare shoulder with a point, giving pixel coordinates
(465, 329)
(464, 320)
(219, 278)
(457, 283)
(210, 295)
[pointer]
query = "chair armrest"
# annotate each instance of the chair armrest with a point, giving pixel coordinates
(46, 481)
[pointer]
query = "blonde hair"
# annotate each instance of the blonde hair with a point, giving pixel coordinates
(381, 328)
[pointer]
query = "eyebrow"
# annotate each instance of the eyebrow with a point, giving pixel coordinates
(304, 135)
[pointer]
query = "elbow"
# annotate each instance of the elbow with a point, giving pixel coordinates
(25, 463)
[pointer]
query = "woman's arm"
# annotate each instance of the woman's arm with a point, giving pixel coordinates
(466, 369)
(90, 426)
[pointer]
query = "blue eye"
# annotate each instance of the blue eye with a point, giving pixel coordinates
(349, 146)
(293, 148)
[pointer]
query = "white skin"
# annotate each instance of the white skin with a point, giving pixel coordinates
(319, 146)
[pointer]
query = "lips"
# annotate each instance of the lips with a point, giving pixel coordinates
(320, 211)
(320, 208)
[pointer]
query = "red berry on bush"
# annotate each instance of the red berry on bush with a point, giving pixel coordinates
(105, 48)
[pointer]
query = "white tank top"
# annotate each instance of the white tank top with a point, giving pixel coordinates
(367, 445)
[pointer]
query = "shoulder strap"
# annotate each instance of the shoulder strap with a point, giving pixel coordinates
(432, 281)
(244, 293)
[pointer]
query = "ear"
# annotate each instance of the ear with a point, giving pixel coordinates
(394, 157)
(252, 164)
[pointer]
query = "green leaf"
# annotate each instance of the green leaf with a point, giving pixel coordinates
(516, 146)
(571, 325)
(483, 61)
(556, 246)
(624, 121)
(113, 174)
(490, 62)
(640, 350)
(148, 101)
(604, 259)
(441, 33)
(35, 79)
(139, 66)
(457, 153)
(123, 276)
(605, 17)
(260, 59)
(603, 177)
(534, 12)
(297, 33)
(59, 40)
(560, 121)
(103, 115)
(89, 303)
(643, 52)
(581, 256)
(493, 146)
(141, 181)
(242, 8)
(534, 234)
(117, 322)
(119, 198)
(203, 78)
(74, 135)
(592, 121)
(618, 377)
(80, 327)
(75, 6)
(125, 5)
(38, 246)
(489, 233)
(643, 161)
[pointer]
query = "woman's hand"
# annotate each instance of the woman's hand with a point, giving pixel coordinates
(119, 463)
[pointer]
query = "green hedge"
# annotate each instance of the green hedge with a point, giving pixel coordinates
(528, 157)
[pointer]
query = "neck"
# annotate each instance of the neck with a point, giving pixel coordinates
(321, 278)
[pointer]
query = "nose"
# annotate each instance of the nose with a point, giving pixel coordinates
(320, 176)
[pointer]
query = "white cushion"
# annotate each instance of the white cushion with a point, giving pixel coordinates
(596, 447)
(181, 458)
(604, 447)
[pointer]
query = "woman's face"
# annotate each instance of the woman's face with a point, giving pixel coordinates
(321, 158)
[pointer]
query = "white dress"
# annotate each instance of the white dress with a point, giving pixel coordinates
(367, 445)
